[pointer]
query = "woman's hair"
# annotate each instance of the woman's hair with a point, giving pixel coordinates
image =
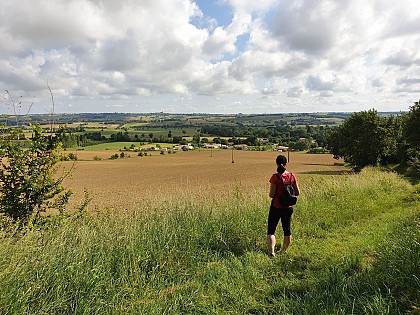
(281, 162)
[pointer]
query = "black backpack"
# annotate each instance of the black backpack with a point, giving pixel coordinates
(288, 197)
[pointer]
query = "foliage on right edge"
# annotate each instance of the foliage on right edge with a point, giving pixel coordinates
(411, 132)
(366, 138)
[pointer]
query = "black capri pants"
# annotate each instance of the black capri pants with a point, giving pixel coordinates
(274, 217)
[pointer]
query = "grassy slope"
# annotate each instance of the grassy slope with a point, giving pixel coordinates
(355, 251)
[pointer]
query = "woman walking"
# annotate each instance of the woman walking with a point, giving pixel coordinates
(279, 211)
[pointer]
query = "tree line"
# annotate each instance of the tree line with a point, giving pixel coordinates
(297, 137)
(365, 138)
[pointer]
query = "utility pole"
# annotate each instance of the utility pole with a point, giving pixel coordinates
(232, 154)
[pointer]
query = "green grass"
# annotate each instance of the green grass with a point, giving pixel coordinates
(355, 251)
(146, 131)
(113, 146)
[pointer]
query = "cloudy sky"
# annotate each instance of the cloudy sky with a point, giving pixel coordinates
(213, 56)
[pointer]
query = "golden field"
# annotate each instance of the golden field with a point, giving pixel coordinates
(126, 183)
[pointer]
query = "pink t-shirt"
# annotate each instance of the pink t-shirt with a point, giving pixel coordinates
(287, 177)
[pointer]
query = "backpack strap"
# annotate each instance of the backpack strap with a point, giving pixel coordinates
(281, 179)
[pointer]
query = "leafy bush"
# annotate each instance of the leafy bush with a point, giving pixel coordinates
(28, 185)
(72, 156)
(414, 164)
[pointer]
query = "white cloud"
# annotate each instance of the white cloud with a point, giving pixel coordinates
(249, 6)
(55, 22)
(274, 87)
(223, 40)
(219, 42)
(316, 83)
(288, 52)
(295, 91)
(309, 26)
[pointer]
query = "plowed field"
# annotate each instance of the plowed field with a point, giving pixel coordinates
(125, 183)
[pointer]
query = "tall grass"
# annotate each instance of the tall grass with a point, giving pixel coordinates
(355, 251)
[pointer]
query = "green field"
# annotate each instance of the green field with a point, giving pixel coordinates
(355, 251)
(146, 131)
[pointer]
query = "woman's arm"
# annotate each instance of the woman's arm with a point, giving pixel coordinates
(272, 193)
(296, 188)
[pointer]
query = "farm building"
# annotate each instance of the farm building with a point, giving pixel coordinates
(212, 146)
(183, 147)
(281, 148)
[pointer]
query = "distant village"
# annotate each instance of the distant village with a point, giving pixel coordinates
(230, 145)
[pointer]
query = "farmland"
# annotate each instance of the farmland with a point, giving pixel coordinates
(185, 233)
(199, 248)
(124, 183)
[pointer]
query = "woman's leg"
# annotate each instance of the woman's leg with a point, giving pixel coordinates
(273, 220)
(287, 240)
(286, 225)
(271, 243)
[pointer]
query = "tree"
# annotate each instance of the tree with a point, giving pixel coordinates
(223, 141)
(412, 126)
(363, 139)
(196, 139)
(411, 133)
(300, 145)
(176, 139)
(252, 141)
(120, 136)
(28, 181)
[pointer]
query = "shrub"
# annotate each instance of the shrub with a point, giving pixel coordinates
(414, 164)
(72, 156)
(28, 185)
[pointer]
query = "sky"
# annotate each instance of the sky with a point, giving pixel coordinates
(209, 56)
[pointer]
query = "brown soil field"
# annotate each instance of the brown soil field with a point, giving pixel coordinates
(125, 183)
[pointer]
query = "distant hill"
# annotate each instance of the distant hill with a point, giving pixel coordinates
(194, 119)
